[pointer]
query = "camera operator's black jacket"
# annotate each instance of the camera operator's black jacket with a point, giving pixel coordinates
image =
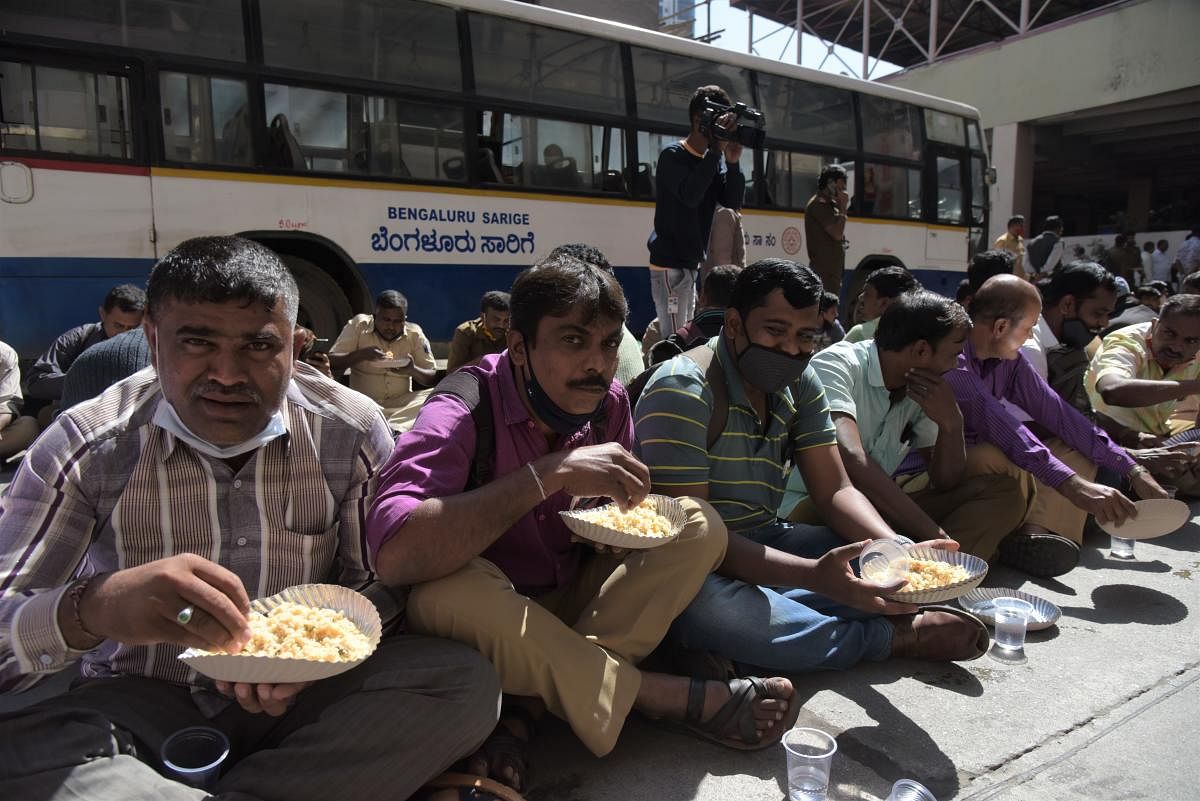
(687, 191)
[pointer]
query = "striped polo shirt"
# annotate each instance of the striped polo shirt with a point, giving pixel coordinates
(746, 467)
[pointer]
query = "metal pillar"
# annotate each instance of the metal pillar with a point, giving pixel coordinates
(800, 30)
(866, 40)
(933, 26)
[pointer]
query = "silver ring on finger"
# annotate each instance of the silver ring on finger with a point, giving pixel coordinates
(184, 615)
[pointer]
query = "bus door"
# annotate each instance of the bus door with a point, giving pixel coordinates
(75, 204)
(946, 197)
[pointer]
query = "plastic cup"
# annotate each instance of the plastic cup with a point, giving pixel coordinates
(194, 755)
(1120, 548)
(1012, 616)
(883, 561)
(909, 790)
(809, 759)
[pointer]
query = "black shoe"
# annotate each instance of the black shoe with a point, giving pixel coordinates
(1043, 555)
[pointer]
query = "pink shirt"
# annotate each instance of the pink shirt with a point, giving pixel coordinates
(433, 460)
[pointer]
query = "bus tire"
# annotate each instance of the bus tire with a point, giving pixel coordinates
(324, 307)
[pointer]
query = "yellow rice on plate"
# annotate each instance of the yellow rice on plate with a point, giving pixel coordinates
(929, 574)
(642, 520)
(295, 631)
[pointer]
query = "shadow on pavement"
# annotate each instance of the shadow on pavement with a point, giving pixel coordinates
(1185, 539)
(1127, 603)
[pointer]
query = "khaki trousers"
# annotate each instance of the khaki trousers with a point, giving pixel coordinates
(1048, 508)
(575, 648)
(978, 512)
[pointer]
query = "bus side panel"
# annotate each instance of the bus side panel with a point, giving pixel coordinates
(442, 249)
(87, 228)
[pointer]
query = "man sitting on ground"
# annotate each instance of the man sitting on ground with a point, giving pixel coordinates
(1141, 373)
(385, 353)
(144, 521)
(882, 287)
(468, 511)
(887, 396)
(121, 311)
(831, 327)
(17, 432)
(721, 423)
(486, 334)
(715, 295)
(104, 364)
(992, 369)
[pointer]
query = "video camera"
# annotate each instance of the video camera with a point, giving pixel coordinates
(749, 135)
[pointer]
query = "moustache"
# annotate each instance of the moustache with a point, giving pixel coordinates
(235, 391)
(590, 383)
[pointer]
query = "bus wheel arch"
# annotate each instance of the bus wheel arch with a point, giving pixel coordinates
(331, 288)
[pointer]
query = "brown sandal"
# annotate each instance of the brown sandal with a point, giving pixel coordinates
(470, 788)
(733, 725)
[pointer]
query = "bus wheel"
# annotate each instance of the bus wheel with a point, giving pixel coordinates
(324, 307)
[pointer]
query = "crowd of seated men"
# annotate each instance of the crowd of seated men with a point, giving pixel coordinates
(158, 502)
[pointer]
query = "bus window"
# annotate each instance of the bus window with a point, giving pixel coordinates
(18, 130)
(798, 111)
(205, 120)
(518, 61)
(949, 190)
(401, 41)
(942, 127)
(791, 178)
(553, 154)
(666, 82)
(209, 28)
(973, 135)
(411, 140)
(649, 145)
(897, 190)
(307, 128)
(890, 128)
(77, 112)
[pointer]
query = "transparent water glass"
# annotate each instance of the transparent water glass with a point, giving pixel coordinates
(909, 790)
(1012, 616)
(809, 759)
(1120, 548)
(194, 755)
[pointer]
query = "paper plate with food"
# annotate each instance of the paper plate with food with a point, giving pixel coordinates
(655, 521)
(931, 575)
(390, 360)
(305, 633)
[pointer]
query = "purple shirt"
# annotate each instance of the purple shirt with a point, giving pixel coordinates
(980, 384)
(434, 458)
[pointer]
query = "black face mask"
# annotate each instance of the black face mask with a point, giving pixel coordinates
(557, 418)
(772, 370)
(1075, 334)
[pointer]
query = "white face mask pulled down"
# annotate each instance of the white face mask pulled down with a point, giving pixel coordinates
(166, 418)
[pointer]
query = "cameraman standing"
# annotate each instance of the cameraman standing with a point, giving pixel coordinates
(690, 182)
(825, 227)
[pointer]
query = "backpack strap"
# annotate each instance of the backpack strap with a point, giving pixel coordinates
(706, 358)
(467, 387)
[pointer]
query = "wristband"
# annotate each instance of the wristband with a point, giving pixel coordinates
(537, 479)
(75, 594)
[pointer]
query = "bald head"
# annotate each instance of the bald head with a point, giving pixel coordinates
(1005, 297)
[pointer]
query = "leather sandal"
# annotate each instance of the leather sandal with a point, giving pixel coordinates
(733, 725)
(468, 787)
(941, 634)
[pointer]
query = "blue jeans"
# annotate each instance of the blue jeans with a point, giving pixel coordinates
(677, 284)
(781, 629)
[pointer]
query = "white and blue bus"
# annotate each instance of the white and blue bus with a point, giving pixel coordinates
(406, 144)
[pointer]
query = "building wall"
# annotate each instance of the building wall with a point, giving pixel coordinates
(1131, 51)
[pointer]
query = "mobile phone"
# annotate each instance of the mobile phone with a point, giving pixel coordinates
(320, 345)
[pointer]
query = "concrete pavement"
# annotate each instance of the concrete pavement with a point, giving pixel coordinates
(1105, 709)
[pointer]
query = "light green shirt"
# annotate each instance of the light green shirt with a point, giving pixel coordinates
(852, 377)
(863, 332)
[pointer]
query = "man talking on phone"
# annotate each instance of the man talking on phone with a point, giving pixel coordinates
(825, 227)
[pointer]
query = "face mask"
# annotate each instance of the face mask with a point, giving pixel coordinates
(558, 419)
(166, 418)
(1075, 334)
(772, 369)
